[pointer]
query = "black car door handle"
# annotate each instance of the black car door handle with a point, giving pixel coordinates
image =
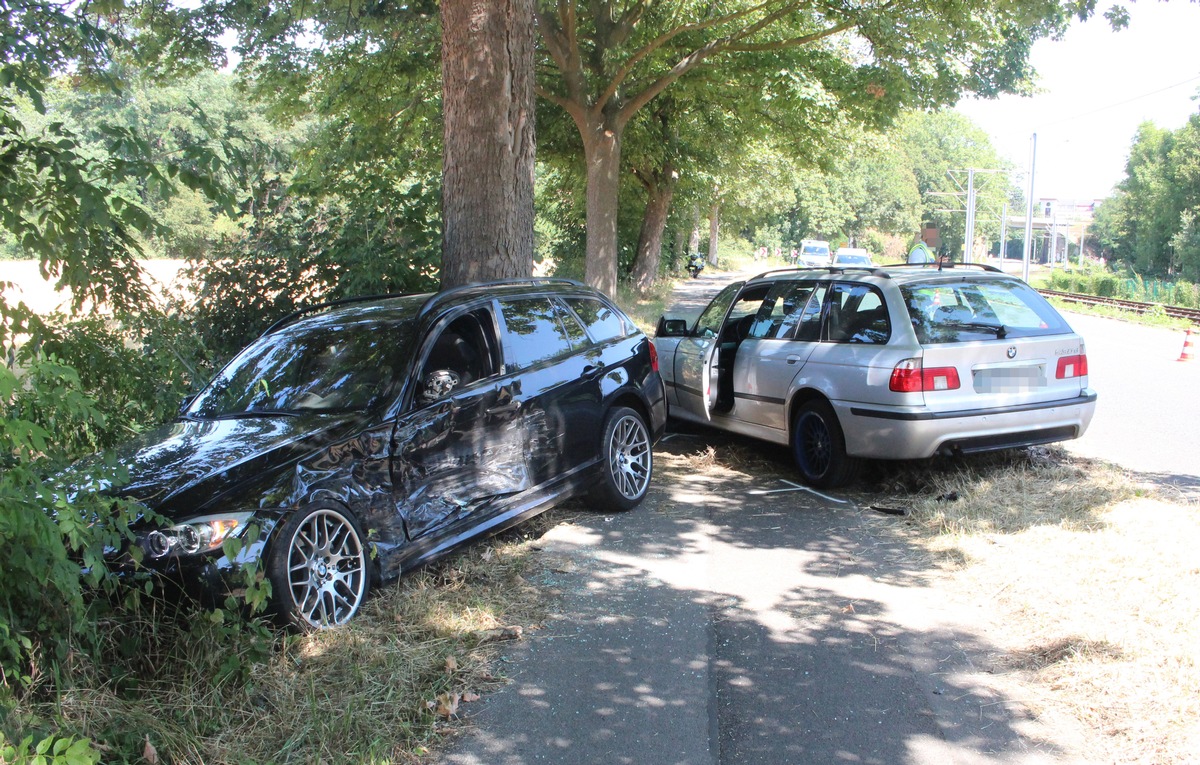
(591, 372)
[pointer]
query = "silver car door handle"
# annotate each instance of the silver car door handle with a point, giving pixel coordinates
(793, 359)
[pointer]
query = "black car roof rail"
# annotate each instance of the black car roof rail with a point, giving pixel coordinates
(439, 297)
(294, 315)
(941, 266)
(428, 305)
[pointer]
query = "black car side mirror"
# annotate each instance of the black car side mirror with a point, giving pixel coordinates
(671, 328)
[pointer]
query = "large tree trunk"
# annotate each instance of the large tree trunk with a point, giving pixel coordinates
(714, 228)
(694, 236)
(488, 106)
(660, 188)
(602, 152)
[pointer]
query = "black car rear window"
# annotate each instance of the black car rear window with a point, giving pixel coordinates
(602, 322)
(979, 310)
(534, 332)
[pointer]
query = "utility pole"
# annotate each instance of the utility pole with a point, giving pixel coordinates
(970, 232)
(1003, 234)
(1027, 247)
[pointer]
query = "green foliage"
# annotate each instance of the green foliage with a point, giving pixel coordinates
(51, 529)
(1105, 283)
(1150, 222)
(51, 750)
(300, 250)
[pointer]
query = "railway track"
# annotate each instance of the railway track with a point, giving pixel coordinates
(1191, 314)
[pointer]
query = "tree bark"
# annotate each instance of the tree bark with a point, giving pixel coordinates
(714, 228)
(488, 165)
(660, 189)
(602, 152)
(694, 234)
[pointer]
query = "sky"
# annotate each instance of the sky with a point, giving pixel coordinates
(1098, 86)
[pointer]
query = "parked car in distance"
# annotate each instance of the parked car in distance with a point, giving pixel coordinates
(814, 253)
(896, 362)
(365, 437)
(852, 256)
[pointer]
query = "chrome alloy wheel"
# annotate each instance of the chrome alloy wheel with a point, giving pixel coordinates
(629, 456)
(326, 569)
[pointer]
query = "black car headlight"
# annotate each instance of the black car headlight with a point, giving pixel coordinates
(196, 536)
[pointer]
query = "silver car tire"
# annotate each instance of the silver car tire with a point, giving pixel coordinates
(626, 461)
(819, 447)
(319, 568)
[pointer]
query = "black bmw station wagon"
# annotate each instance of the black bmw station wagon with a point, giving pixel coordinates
(368, 436)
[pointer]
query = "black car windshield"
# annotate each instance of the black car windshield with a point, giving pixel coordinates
(323, 364)
(966, 310)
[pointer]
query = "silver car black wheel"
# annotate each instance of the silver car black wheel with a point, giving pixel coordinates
(819, 447)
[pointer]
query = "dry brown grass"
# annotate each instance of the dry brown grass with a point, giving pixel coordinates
(1093, 590)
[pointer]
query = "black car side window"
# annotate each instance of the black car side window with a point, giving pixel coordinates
(576, 334)
(462, 353)
(602, 322)
(533, 333)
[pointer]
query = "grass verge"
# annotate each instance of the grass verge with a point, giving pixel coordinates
(385, 689)
(1092, 587)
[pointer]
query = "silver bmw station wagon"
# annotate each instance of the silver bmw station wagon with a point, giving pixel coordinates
(890, 362)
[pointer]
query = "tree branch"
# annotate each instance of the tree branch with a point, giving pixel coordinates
(658, 42)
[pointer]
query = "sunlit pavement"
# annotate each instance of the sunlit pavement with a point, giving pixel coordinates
(1148, 412)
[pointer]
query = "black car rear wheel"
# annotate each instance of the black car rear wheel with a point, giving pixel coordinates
(318, 568)
(819, 447)
(627, 461)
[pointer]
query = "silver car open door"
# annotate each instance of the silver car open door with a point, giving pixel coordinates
(696, 356)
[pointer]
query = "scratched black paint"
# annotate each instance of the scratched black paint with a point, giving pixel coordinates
(331, 409)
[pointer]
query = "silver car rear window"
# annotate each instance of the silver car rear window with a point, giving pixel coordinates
(951, 312)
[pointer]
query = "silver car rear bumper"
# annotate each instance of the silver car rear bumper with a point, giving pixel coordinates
(917, 433)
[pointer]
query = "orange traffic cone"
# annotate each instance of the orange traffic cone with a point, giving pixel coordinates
(1187, 347)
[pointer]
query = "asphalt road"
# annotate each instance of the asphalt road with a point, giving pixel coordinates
(1148, 414)
(734, 618)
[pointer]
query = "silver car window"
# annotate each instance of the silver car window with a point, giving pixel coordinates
(781, 311)
(961, 311)
(857, 314)
(711, 321)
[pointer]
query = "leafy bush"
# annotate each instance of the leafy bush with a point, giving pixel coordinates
(303, 252)
(52, 750)
(50, 533)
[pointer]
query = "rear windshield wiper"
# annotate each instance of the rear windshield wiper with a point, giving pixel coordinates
(999, 329)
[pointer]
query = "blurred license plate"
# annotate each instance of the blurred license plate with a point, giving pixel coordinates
(1009, 379)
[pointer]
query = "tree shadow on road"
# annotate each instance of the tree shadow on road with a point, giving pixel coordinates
(730, 619)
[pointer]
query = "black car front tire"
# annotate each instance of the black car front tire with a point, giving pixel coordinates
(319, 568)
(819, 447)
(627, 461)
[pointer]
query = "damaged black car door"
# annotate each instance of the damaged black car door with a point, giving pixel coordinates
(462, 443)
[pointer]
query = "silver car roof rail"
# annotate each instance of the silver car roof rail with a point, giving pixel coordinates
(873, 270)
(942, 266)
